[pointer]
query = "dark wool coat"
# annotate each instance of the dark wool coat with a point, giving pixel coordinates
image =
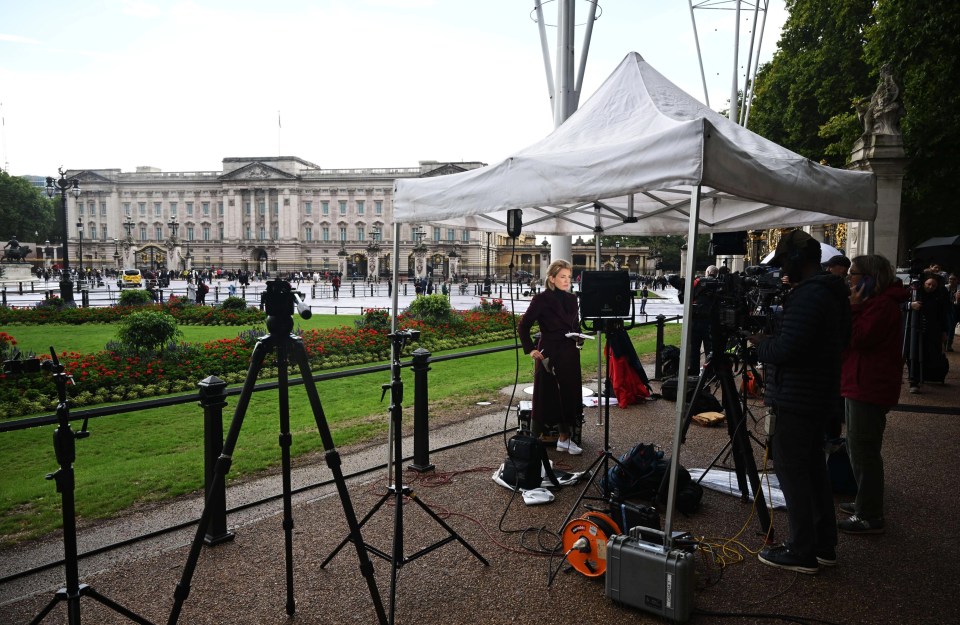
(806, 351)
(557, 397)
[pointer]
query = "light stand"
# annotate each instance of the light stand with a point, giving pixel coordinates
(62, 185)
(601, 464)
(64, 445)
(279, 301)
(397, 490)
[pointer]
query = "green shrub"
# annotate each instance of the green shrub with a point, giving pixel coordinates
(375, 319)
(234, 303)
(135, 297)
(430, 308)
(148, 330)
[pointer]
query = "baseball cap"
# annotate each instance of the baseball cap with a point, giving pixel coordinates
(838, 261)
(793, 242)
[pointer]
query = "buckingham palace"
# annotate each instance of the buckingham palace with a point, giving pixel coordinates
(284, 214)
(266, 214)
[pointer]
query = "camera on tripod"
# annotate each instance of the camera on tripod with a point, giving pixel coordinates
(744, 304)
(281, 300)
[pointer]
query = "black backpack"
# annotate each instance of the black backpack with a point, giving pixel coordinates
(637, 473)
(670, 360)
(527, 463)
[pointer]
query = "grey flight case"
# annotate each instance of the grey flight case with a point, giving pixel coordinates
(644, 575)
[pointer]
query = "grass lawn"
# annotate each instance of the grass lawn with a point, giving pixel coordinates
(158, 454)
(93, 337)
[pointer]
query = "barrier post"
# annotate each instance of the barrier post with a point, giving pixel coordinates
(213, 393)
(421, 416)
(658, 367)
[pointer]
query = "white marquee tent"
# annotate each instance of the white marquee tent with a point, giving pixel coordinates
(636, 148)
(642, 157)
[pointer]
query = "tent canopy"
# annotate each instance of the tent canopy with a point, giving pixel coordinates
(636, 149)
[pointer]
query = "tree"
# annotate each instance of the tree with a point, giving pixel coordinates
(920, 38)
(24, 210)
(816, 75)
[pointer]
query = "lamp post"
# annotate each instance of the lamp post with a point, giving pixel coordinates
(47, 254)
(63, 185)
(616, 258)
(373, 254)
(80, 248)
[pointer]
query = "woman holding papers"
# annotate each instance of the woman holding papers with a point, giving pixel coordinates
(557, 381)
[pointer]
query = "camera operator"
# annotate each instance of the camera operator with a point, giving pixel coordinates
(932, 303)
(805, 391)
(701, 305)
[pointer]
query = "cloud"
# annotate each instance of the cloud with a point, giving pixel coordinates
(138, 8)
(18, 39)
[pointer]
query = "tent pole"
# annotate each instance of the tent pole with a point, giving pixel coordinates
(696, 39)
(547, 65)
(687, 335)
(736, 51)
(756, 64)
(564, 103)
(747, 82)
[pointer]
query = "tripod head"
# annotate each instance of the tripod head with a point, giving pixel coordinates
(280, 301)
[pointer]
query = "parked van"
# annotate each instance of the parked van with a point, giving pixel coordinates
(130, 277)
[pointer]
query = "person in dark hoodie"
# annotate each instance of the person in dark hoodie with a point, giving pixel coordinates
(805, 352)
(870, 385)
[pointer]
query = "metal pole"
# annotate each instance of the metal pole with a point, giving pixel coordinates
(421, 411)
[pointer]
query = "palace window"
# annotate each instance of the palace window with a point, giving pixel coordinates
(360, 207)
(343, 207)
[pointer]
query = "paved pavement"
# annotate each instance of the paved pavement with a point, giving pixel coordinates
(352, 300)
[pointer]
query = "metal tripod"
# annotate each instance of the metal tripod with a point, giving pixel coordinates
(279, 302)
(600, 466)
(64, 445)
(398, 492)
(719, 365)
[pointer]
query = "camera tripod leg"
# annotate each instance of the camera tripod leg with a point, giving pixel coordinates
(332, 457)
(745, 463)
(222, 466)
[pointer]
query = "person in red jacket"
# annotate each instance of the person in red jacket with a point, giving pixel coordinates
(870, 383)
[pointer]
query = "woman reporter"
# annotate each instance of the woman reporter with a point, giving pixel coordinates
(557, 379)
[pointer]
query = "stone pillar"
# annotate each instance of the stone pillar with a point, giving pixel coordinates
(880, 150)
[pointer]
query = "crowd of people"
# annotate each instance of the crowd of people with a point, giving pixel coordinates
(846, 331)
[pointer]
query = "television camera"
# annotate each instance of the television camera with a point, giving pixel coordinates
(742, 304)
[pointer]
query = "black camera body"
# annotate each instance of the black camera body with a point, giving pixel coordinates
(744, 304)
(281, 300)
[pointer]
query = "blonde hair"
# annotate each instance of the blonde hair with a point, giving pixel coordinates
(554, 269)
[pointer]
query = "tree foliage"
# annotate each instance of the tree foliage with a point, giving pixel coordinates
(920, 39)
(829, 57)
(816, 75)
(25, 210)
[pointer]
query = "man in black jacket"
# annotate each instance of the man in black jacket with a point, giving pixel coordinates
(805, 353)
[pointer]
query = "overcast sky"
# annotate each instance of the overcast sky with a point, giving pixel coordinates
(341, 83)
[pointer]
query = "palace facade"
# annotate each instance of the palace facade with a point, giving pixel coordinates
(284, 214)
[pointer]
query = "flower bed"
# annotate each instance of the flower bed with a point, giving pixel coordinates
(113, 375)
(184, 312)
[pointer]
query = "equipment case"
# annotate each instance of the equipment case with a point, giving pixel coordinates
(551, 433)
(643, 575)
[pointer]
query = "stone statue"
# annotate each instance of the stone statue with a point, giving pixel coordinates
(881, 115)
(14, 252)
